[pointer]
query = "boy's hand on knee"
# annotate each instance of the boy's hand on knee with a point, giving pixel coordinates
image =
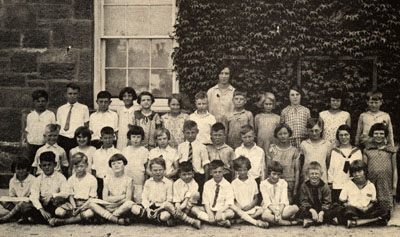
(321, 217)
(314, 214)
(45, 214)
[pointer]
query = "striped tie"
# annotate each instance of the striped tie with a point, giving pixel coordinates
(216, 196)
(66, 127)
(190, 154)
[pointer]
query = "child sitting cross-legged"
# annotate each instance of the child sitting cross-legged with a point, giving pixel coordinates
(246, 193)
(277, 210)
(81, 187)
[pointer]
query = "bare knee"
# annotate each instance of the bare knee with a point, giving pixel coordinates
(136, 209)
(164, 216)
(60, 212)
(87, 214)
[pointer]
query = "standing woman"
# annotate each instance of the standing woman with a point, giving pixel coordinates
(295, 115)
(220, 96)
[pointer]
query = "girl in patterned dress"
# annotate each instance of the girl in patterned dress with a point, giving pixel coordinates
(125, 116)
(266, 122)
(334, 117)
(382, 166)
(174, 120)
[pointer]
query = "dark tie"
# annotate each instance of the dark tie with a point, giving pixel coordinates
(66, 127)
(190, 154)
(216, 196)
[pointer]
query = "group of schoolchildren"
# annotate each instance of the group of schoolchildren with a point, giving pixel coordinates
(267, 170)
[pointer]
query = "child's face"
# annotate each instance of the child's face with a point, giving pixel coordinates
(224, 76)
(248, 139)
(218, 137)
(239, 101)
(47, 167)
(127, 98)
(51, 137)
(359, 176)
(145, 102)
(243, 172)
(201, 105)
(218, 174)
(283, 136)
(294, 97)
(40, 104)
(335, 103)
(374, 104)
(344, 137)
(175, 106)
(186, 176)
(315, 176)
(162, 140)
(117, 166)
(107, 140)
(72, 95)
(379, 136)
(80, 168)
(190, 134)
(157, 171)
(275, 176)
(21, 173)
(103, 104)
(315, 132)
(82, 140)
(136, 140)
(268, 105)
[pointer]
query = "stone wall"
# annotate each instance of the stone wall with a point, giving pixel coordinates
(34, 38)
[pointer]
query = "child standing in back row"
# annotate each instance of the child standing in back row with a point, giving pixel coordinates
(125, 116)
(203, 118)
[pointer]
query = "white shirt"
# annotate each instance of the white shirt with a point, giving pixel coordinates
(204, 123)
(100, 161)
(336, 175)
(82, 188)
(274, 193)
(200, 155)
(18, 188)
(99, 120)
(220, 101)
(170, 155)
(36, 125)
(125, 117)
(225, 194)
(137, 158)
(156, 192)
(79, 116)
(256, 156)
(61, 157)
(89, 152)
(184, 190)
(244, 191)
(358, 197)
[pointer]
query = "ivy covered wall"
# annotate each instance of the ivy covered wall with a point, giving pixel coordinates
(277, 43)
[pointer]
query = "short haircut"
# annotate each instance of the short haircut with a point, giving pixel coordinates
(343, 127)
(311, 122)
(245, 129)
(240, 162)
(176, 97)
(47, 156)
(275, 166)
(52, 127)
(158, 161)
(215, 164)
(189, 124)
(200, 95)
(222, 66)
(376, 127)
(84, 132)
(20, 163)
(39, 94)
(128, 90)
(218, 127)
(280, 127)
(336, 94)
(374, 95)
(104, 95)
(185, 166)
(143, 93)
(314, 165)
(107, 131)
(117, 157)
(263, 97)
(358, 165)
(73, 86)
(135, 130)
(160, 132)
(78, 158)
(298, 89)
(238, 92)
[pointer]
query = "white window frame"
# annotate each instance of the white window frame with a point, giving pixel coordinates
(99, 81)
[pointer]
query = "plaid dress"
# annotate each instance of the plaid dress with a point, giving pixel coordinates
(296, 118)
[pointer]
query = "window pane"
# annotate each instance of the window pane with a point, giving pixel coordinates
(139, 55)
(139, 80)
(161, 50)
(114, 20)
(161, 83)
(115, 2)
(161, 20)
(138, 20)
(115, 80)
(116, 53)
